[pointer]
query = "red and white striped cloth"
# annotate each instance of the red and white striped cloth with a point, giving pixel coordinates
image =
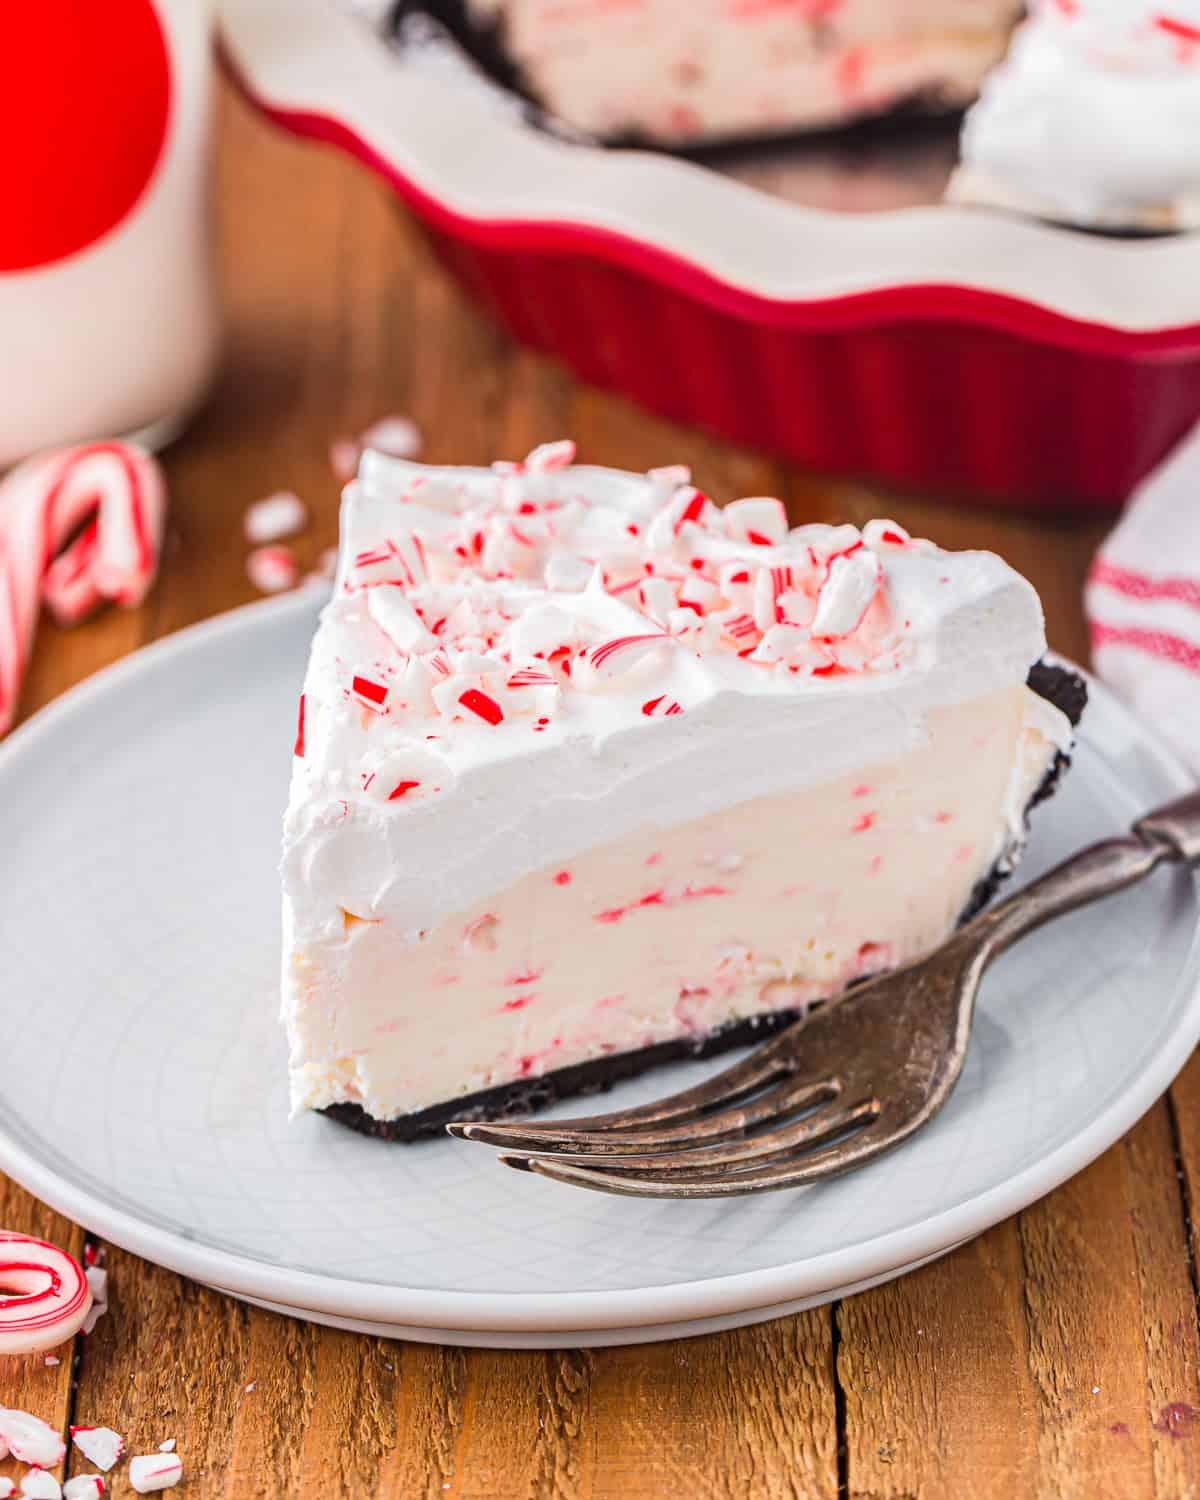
(1143, 602)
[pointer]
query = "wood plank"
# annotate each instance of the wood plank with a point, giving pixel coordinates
(1161, 1223)
(168, 1361)
(1055, 1356)
(937, 1392)
(1176, 1411)
(745, 1413)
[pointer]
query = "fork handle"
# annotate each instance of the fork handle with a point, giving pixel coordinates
(1170, 835)
(1177, 825)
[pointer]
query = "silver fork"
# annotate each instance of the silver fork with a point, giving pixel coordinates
(851, 1080)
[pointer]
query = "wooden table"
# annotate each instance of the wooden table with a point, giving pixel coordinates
(1055, 1356)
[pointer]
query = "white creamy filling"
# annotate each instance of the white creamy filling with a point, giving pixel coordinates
(712, 68)
(667, 931)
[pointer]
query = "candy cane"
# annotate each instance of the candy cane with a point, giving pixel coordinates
(47, 1297)
(108, 501)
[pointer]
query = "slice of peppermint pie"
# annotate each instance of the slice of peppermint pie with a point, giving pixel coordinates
(592, 774)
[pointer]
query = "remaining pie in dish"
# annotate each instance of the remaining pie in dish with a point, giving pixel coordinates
(687, 72)
(591, 773)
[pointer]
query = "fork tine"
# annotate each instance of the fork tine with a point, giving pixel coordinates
(806, 1167)
(743, 1153)
(785, 1098)
(772, 1061)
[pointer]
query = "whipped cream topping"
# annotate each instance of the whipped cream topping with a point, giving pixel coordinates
(1094, 117)
(500, 638)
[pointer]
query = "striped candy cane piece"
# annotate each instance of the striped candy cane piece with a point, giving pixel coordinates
(47, 1297)
(116, 494)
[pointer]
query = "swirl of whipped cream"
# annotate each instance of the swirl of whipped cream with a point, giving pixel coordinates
(1093, 118)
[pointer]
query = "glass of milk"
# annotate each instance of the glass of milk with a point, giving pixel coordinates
(109, 322)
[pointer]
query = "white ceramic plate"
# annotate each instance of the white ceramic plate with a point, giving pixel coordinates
(142, 1089)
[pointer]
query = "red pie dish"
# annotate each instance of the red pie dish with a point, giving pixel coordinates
(956, 350)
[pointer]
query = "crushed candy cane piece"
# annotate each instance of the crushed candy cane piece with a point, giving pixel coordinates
(884, 533)
(155, 1471)
(272, 519)
(550, 456)
(83, 1487)
(168, 1446)
(399, 775)
(760, 520)
(847, 594)
(370, 693)
(614, 658)
(51, 1360)
(671, 476)
(99, 1445)
(95, 1313)
(482, 705)
(30, 1440)
(398, 437)
(399, 621)
(344, 454)
(38, 1485)
(661, 707)
(97, 1278)
(273, 570)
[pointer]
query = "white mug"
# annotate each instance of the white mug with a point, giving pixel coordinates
(109, 321)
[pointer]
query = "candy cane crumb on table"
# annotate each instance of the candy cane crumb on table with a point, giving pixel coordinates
(38, 1485)
(397, 436)
(30, 1440)
(273, 570)
(83, 1487)
(274, 518)
(155, 1471)
(99, 1445)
